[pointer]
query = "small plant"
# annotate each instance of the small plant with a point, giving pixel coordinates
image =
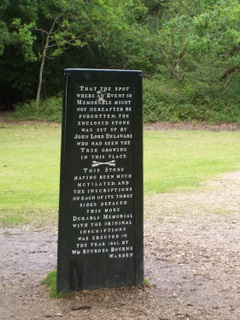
(147, 283)
(50, 281)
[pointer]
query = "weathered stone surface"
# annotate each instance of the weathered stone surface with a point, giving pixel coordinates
(101, 187)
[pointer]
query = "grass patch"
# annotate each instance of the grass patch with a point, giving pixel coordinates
(51, 282)
(29, 173)
(173, 160)
(178, 159)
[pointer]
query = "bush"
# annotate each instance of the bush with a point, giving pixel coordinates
(49, 110)
(165, 100)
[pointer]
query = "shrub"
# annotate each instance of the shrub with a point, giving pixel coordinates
(171, 101)
(49, 110)
(163, 100)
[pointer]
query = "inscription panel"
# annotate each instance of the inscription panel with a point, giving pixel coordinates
(100, 214)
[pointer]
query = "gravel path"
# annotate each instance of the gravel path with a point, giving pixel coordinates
(192, 261)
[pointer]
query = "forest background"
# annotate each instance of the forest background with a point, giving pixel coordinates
(189, 52)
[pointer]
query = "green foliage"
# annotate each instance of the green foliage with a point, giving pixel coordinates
(197, 75)
(198, 101)
(39, 31)
(49, 110)
(189, 50)
(23, 35)
(4, 36)
(163, 101)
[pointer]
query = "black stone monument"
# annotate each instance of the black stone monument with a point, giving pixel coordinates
(100, 239)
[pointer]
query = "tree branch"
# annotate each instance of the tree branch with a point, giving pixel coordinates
(229, 71)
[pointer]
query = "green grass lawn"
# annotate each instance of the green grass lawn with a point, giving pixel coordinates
(30, 165)
(29, 176)
(180, 159)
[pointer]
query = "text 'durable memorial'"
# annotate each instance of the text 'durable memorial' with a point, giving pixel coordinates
(100, 241)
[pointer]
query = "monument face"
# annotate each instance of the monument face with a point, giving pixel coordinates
(100, 241)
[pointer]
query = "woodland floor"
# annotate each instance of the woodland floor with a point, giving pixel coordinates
(192, 262)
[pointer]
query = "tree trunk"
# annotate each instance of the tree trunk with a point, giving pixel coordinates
(40, 79)
(44, 55)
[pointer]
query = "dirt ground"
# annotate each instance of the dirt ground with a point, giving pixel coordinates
(192, 261)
